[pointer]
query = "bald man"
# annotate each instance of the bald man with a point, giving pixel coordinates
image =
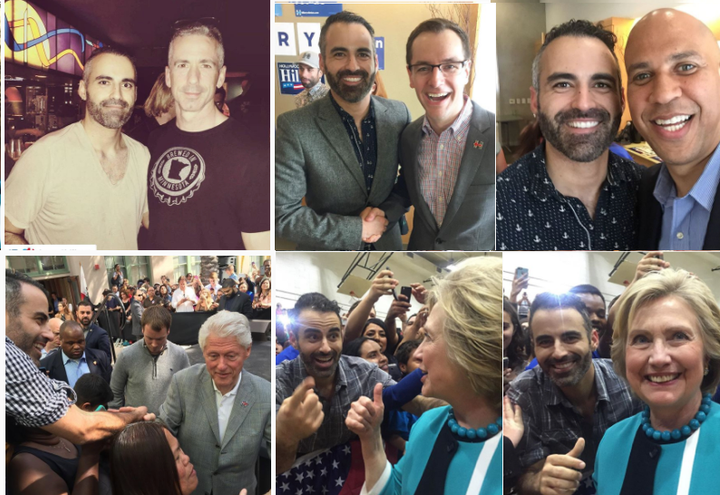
(673, 66)
(75, 359)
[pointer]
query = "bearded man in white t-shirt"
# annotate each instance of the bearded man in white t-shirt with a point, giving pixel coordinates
(59, 191)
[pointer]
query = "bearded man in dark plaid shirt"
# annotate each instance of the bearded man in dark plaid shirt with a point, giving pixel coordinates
(33, 399)
(315, 390)
(568, 401)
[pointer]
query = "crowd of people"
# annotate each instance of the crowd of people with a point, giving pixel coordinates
(249, 294)
(357, 383)
(146, 423)
(613, 398)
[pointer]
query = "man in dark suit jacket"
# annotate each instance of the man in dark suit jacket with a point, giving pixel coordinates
(448, 168)
(74, 356)
(678, 113)
(234, 300)
(95, 337)
(340, 153)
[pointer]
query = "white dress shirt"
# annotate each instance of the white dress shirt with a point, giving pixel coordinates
(187, 306)
(224, 405)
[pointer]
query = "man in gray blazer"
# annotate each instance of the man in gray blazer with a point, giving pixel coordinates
(448, 168)
(340, 153)
(219, 413)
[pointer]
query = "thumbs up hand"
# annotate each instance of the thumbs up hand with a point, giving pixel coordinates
(561, 474)
(365, 415)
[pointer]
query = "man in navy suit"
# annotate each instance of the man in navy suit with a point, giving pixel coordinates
(75, 359)
(672, 63)
(95, 337)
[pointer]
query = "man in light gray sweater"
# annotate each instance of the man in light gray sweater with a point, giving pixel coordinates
(143, 371)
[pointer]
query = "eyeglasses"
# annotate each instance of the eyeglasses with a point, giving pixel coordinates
(446, 68)
(100, 408)
(204, 21)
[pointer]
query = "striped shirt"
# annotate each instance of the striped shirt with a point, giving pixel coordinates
(355, 377)
(33, 399)
(439, 160)
(553, 424)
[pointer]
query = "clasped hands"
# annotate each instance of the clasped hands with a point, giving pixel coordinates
(373, 225)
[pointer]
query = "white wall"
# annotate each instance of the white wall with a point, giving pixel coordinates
(557, 272)
(557, 13)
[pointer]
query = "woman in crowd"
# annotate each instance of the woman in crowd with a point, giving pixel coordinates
(205, 301)
(165, 297)
(43, 463)
(150, 448)
(453, 449)
(666, 344)
(64, 312)
(262, 301)
(513, 343)
(376, 330)
(368, 349)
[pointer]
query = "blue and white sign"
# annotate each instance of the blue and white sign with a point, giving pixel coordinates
(318, 10)
(278, 10)
(289, 78)
(308, 36)
(380, 50)
(285, 38)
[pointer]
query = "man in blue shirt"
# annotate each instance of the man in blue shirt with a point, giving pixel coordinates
(75, 360)
(672, 63)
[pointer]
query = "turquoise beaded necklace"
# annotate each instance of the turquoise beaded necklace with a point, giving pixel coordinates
(676, 434)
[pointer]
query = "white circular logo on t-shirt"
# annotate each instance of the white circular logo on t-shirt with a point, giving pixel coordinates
(176, 175)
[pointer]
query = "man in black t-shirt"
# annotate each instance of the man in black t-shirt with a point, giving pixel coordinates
(209, 175)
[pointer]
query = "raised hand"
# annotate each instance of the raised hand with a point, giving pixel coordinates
(301, 414)
(561, 474)
(365, 415)
(513, 427)
(650, 263)
(383, 284)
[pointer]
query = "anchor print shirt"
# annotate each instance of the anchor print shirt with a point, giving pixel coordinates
(533, 216)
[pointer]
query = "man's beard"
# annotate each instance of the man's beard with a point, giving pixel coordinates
(351, 94)
(312, 370)
(580, 147)
(85, 321)
(581, 367)
(112, 119)
(310, 83)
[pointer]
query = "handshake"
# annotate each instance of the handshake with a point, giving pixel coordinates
(374, 224)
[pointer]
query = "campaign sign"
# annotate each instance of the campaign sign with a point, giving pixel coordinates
(289, 78)
(380, 50)
(318, 10)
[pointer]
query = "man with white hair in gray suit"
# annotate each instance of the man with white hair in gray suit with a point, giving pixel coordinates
(219, 413)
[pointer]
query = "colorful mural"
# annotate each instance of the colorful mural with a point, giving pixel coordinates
(39, 39)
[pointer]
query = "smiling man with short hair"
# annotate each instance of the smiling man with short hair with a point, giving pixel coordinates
(336, 160)
(673, 63)
(219, 412)
(92, 157)
(572, 192)
(200, 158)
(568, 396)
(447, 172)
